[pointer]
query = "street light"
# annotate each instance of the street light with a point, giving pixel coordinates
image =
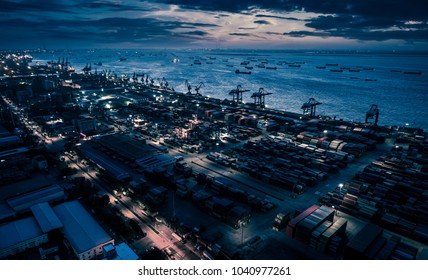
(340, 188)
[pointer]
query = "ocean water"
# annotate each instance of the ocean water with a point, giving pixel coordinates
(402, 98)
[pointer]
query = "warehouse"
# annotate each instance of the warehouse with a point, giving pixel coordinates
(85, 235)
(20, 235)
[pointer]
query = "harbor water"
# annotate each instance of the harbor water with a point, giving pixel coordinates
(346, 83)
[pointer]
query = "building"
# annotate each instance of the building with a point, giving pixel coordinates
(125, 147)
(26, 201)
(46, 217)
(9, 141)
(152, 162)
(119, 252)
(85, 125)
(3, 131)
(157, 195)
(40, 162)
(20, 235)
(14, 165)
(24, 93)
(84, 234)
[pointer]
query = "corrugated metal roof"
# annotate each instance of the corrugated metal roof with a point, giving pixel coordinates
(19, 231)
(6, 211)
(80, 228)
(46, 217)
(26, 201)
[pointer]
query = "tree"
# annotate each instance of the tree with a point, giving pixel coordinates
(154, 254)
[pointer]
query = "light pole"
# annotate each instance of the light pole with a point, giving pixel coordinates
(340, 188)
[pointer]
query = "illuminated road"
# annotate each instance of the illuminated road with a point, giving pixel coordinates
(158, 234)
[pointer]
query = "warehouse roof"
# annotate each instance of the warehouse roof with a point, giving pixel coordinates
(80, 228)
(25, 201)
(126, 146)
(19, 231)
(46, 217)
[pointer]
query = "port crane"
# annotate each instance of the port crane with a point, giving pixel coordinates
(189, 87)
(164, 83)
(309, 108)
(87, 68)
(259, 97)
(373, 112)
(198, 87)
(237, 94)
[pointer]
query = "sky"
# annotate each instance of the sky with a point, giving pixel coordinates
(265, 24)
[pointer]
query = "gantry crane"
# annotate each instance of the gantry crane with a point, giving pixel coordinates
(237, 94)
(259, 97)
(309, 108)
(373, 112)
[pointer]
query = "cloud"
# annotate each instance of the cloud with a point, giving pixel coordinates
(163, 21)
(37, 6)
(106, 31)
(368, 28)
(262, 22)
(354, 16)
(240, 34)
(277, 17)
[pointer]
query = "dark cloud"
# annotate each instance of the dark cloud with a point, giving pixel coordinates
(108, 30)
(273, 33)
(369, 28)
(405, 9)
(196, 33)
(305, 33)
(32, 6)
(277, 17)
(240, 34)
(105, 20)
(406, 34)
(262, 22)
(112, 7)
(355, 16)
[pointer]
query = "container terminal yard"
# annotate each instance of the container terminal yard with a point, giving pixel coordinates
(96, 165)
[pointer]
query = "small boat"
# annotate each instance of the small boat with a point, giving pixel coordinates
(229, 65)
(122, 58)
(354, 70)
(370, 80)
(209, 62)
(271, 68)
(197, 62)
(242, 72)
(249, 67)
(336, 70)
(320, 67)
(261, 66)
(396, 71)
(413, 72)
(98, 63)
(368, 68)
(294, 65)
(331, 64)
